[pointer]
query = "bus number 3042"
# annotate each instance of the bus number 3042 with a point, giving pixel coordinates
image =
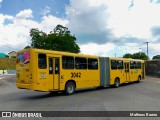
(75, 75)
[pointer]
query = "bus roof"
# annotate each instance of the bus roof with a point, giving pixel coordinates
(56, 52)
(71, 54)
(153, 60)
(126, 59)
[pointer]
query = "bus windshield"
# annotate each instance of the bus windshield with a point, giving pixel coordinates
(23, 57)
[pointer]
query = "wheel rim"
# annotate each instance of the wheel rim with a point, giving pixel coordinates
(116, 83)
(70, 88)
(139, 78)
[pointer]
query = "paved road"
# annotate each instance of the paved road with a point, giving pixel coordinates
(143, 96)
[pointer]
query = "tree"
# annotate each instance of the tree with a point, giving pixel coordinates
(156, 57)
(139, 55)
(60, 39)
(38, 38)
(128, 55)
(27, 47)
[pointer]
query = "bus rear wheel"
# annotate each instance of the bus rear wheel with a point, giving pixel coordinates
(70, 88)
(139, 78)
(116, 83)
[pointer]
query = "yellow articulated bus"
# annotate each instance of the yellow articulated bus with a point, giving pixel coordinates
(46, 70)
(116, 71)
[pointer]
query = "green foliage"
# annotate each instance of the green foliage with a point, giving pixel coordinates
(127, 55)
(27, 47)
(8, 63)
(59, 39)
(156, 57)
(139, 55)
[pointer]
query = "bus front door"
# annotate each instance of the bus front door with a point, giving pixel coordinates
(54, 71)
(126, 65)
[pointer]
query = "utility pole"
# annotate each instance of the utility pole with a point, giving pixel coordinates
(147, 48)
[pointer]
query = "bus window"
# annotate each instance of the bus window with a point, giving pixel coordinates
(80, 63)
(92, 64)
(120, 64)
(57, 66)
(67, 62)
(131, 65)
(113, 64)
(50, 66)
(42, 64)
(135, 65)
(139, 65)
(23, 57)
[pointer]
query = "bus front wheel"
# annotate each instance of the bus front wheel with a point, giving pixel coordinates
(116, 83)
(70, 88)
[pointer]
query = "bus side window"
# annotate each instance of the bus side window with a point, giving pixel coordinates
(135, 65)
(80, 63)
(92, 64)
(68, 62)
(131, 65)
(113, 64)
(120, 64)
(42, 63)
(139, 65)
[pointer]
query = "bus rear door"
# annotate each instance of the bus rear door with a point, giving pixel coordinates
(54, 72)
(126, 67)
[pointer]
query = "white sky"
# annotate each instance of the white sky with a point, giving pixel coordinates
(103, 27)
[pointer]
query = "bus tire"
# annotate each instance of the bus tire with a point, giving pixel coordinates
(116, 83)
(69, 88)
(139, 79)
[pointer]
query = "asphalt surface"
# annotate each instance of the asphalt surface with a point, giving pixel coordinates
(143, 96)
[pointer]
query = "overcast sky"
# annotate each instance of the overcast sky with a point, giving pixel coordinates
(102, 27)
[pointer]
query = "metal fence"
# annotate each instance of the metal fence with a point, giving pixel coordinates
(153, 68)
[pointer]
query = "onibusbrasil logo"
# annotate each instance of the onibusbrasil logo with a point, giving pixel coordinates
(21, 114)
